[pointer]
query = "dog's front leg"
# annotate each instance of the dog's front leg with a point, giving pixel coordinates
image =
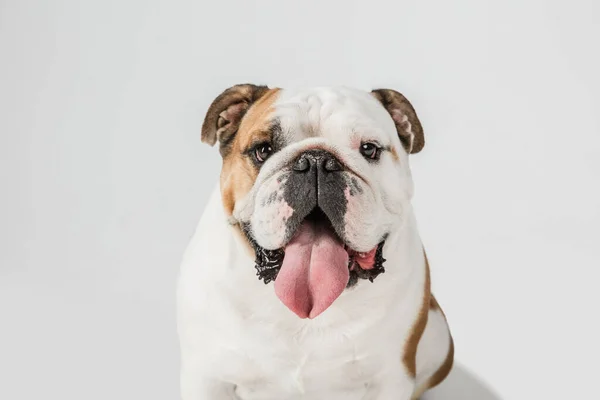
(203, 389)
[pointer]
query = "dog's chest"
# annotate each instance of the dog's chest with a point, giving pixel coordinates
(302, 362)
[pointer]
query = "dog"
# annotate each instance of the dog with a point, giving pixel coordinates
(306, 277)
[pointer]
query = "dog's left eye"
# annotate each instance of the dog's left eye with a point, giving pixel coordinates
(370, 151)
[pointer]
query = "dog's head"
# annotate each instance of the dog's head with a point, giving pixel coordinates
(315, 180)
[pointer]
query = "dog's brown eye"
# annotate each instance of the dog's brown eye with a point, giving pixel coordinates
(370, 151)
(262, 152)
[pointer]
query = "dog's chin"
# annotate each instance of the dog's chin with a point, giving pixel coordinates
(315, 266)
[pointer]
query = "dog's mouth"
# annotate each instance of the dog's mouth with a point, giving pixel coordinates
(312, 270)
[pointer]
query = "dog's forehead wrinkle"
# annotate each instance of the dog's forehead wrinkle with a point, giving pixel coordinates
(331, 112)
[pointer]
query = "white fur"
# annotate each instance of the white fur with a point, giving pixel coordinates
(238, 341)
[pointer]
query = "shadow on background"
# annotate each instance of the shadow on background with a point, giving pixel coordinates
(462, 384)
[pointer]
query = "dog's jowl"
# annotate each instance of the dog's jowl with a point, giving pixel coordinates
(282, 293)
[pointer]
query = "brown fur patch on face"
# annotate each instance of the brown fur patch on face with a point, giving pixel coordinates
(239, 172)
(410, 347)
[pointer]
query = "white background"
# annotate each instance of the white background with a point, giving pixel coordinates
(103, 176)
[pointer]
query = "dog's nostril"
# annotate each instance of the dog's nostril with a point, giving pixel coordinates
(332, 165)
(319, 160)
(302, 164)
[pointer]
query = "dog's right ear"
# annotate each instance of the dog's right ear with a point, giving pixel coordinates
(226, 112)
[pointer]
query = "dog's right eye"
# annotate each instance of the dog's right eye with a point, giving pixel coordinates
(262, 151)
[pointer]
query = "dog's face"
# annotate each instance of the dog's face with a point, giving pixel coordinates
(316, 180)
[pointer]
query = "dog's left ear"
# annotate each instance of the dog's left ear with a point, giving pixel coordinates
(407, 123)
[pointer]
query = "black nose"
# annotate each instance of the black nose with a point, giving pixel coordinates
(318, 161)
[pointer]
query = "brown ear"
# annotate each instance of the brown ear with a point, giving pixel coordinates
(407, 123)
(226, 112)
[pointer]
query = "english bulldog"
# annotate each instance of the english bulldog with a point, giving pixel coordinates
(306, 277)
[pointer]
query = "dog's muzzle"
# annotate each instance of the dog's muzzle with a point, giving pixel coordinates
(313, 264)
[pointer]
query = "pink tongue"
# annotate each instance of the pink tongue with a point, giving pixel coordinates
(314, 271)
